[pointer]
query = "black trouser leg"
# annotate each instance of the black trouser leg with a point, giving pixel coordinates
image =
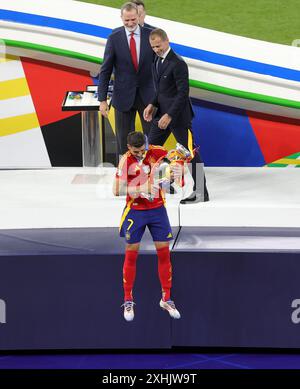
(157, 136)
(140, 106)
(124, 124)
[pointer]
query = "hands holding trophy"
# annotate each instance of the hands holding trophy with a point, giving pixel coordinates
(168, 169)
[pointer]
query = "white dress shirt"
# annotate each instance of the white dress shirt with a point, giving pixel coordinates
(137, 37)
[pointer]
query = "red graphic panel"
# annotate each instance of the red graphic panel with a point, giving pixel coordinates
(48, 84)
(277, 137)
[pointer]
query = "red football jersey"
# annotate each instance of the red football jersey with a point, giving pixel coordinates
(136, 173)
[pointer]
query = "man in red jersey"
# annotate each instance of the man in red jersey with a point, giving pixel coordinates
(144, 207)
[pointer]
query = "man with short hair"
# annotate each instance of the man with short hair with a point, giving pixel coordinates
(174, 109)
(129, 56)
(144, 208)
(142, 13)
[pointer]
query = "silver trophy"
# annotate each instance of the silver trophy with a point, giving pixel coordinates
(161, 172)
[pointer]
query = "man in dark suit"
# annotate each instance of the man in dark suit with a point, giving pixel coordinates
(129, 56)
(142, 14)
(174, 109)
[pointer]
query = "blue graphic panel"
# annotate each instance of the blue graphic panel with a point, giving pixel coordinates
(225, 136)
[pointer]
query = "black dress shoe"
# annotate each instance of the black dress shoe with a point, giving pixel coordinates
(194, 197)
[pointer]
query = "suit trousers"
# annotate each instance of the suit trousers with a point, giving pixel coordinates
(184, 136)
(125, 123)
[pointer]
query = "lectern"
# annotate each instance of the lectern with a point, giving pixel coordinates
(93, 141)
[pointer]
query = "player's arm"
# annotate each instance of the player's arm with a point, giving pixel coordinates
(121, 177)
(119, 187)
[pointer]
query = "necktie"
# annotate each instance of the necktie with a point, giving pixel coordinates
(159, 65)
(133, 51)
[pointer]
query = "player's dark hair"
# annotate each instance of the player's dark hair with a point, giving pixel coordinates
(136, 139)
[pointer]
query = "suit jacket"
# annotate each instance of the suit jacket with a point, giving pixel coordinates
(149, 26)
(172, 90)
(127, 80)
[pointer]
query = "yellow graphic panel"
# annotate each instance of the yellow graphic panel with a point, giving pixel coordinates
(8, 57)
(13, 88)
(111, 119)
(138, 123)
(169, 144)
(288, 161)
(292, 160)
(15, 124)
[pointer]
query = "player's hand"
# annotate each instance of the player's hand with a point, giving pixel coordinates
(103, 108)
(176, 170)
(148, 112)
(155, 190)
(164, 121)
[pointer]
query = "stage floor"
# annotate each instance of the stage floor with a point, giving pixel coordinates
(82, 197)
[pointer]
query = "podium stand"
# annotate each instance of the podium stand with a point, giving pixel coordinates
(93, 142)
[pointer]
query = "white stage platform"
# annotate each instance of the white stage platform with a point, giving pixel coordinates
(63, 197)
(82, 197)
(248, 197)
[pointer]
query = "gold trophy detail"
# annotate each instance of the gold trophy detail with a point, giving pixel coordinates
(161, 173)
